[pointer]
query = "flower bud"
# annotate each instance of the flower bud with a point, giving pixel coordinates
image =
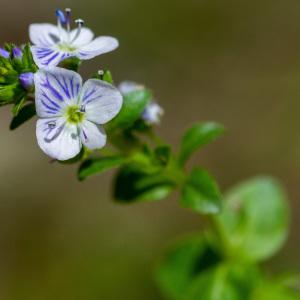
(26, 80)
(152, 113)
(17, 53)
(4, 53)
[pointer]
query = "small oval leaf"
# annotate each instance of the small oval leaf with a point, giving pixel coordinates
(255, 218)
(197, 136)
(25, 114)
(99, 165)
(201, 193)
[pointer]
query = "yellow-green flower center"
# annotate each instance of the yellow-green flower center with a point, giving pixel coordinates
(74, 114)
(66, 47)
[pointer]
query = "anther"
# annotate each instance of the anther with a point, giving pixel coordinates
(79, 22)
(61, 16)
(82, 108)
(68, 23)
(100, 72)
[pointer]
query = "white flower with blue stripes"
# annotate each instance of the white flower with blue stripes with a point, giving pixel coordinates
(52, 44)
(71, 114)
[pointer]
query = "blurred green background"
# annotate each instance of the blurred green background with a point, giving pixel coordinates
(235, 62)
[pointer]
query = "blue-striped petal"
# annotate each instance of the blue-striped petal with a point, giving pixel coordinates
(58, 139)
(101, 101)
(98, 46)
(48, 56)
(55, 88)
(46, 35)
(92, 136)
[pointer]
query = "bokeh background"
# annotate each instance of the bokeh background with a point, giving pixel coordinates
(234, 61)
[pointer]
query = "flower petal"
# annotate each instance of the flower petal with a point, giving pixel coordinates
(92, 135)
(46, 35)
(58, 139)
(100, 45)
(101, 101)
(49, 56)
(85, 37)
(55, 88)
(127, 87)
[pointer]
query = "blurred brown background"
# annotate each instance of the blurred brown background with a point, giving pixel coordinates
(236, 62)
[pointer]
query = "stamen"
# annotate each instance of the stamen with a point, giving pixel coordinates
(52, 124)
(82, 108)
(68, 22)
(61, 16)
(100, 72)
(61, 19)
(79, 22)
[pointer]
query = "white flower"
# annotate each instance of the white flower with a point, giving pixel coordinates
(153, 112)
(52, 44)
(71, 114)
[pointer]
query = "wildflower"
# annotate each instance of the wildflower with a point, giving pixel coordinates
(27, 80)
(71, 114)
(52, 44)
(153, 112)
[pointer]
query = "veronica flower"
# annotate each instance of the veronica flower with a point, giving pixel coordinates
(153, 111)
(52, 44)
(71, 114)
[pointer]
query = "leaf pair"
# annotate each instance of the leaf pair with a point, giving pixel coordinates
(223, 264)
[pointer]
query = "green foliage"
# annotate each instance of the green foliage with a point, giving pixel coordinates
(11, 91)
(193, 269)
(197, 136)
(255, 218)
(227, 281)
(201, 193)
(183, 263)
(99, 165)
(252, 227)
(132, 183)
(71, 63)
(23, 115)
(133, 105)
(107, 76)
(268, 290)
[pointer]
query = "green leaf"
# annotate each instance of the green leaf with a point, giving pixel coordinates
(273, 291)
(134, 184)
(227, 281)
(163, 154)
(255, 218)
(107, 76)
(196, 137)
(201, 193)
(94, 166)
(133, 106)
(19, 104)
(184, 261)
(25, 114)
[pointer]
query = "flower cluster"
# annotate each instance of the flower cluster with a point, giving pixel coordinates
(71, 114)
